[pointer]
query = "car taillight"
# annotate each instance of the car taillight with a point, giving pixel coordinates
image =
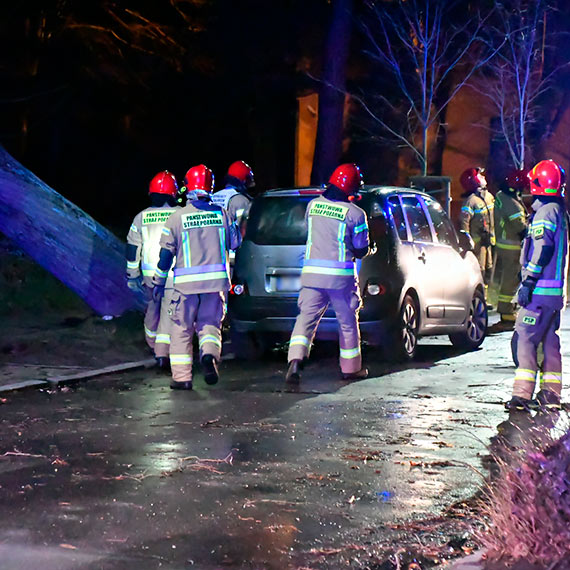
(375, 289)
(238, 289)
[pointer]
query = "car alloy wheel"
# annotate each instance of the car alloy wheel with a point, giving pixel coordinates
(477, 319)
(409, 324)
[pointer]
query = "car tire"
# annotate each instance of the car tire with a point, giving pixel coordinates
(474, 334)
(404, 336)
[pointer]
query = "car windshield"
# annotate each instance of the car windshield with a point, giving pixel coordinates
(278, 220)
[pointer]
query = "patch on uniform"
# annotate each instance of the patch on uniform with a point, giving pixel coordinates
(328, 211)
(538, 233)
(202, 220)
(155, 217)
(529, 320)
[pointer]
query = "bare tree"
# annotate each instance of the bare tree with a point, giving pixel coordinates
(516, 79)
(426, 47)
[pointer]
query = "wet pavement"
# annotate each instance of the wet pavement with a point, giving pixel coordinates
(121, 472)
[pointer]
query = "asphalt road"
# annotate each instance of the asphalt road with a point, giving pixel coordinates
(121, 472)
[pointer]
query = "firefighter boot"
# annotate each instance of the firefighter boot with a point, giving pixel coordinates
(293, 375)
(163, 362)
(359, 375)
(181, 385)
(520, 403)
(548, 400)
(210, 367)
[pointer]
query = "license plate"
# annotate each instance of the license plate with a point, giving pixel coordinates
(288, 283)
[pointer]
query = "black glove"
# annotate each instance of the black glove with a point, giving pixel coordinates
(157, 293)
(525, 292)
(135, 284)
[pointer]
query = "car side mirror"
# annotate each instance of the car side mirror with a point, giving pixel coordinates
(465, 243)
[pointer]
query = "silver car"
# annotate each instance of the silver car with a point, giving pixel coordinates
(421, 277)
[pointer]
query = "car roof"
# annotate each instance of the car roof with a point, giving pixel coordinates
(366, 189)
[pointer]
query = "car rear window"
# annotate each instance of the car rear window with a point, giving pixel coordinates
(278, 220)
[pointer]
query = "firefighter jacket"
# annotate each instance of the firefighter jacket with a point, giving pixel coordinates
(145, 233)
(237, 204)
(544, 255)
(477, 217)
(199, 237)
(336, 231)
(510, 221)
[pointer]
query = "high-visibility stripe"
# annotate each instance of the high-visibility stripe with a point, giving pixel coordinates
(132, 265)
(210, 338)
(533, 267)
(544, 224)
(161, 274)
(467, 209)
(163, 338)
(327, 270)
(361, 228)
(200, 277)
(149, 333)
(199, 269)
(509, 246)
(239, 213)
(551, 378)
(341, 244)
(505, 298)
(186, 253)
(180, 359)
(548, 291)
(222, 233)
(309, 238)
(515, 216)
(134, 229)
(329, 263)
(166, 231)
(348, 353)
(299, 339)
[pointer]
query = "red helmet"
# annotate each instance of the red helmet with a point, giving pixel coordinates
(517, 180)
(473, 178)
(163, 183)
(199, 178)
(547, 178)
(347, 177)
(243, 172)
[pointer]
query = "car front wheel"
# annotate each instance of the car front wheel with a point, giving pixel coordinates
(476, 327)
(404, 341)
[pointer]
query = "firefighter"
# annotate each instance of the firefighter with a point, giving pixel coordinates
(143, 246)
(542, 293)
(477, 219)
(337, 234)
(510, 224)
(199, 237)
(236, 196)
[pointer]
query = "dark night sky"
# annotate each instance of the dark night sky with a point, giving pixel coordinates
(96, 117)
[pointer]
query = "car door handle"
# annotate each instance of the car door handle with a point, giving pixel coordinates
(422, 257)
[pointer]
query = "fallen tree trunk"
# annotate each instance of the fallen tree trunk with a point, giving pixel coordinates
(62, 238)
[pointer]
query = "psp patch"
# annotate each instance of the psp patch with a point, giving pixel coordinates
(529, 320)
(156, 217)
(538, 233)
(328, 211)
(202, 220)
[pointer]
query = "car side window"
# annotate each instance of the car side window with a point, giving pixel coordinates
(398, 217)
(417, 219)
(442, 224)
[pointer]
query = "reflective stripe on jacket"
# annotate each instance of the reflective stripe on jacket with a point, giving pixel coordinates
(145, 233)
(548, 228)
(510, 221)
(200, 236)
(335, 229)
(476, 215)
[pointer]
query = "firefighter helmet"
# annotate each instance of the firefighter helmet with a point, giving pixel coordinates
(473, 178)
(242, 172)
(547, 178)
(199, 178)
(517, 180)
(163, 183)
(347, 177)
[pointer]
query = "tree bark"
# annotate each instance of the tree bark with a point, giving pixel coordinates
(62, 238)
(328, 145)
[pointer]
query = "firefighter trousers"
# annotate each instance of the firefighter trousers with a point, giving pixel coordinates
(157, 324)
(509, 281)
(202, 313)
(533, 326)
(312, 305)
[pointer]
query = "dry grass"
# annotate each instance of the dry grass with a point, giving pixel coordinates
(527, 504)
